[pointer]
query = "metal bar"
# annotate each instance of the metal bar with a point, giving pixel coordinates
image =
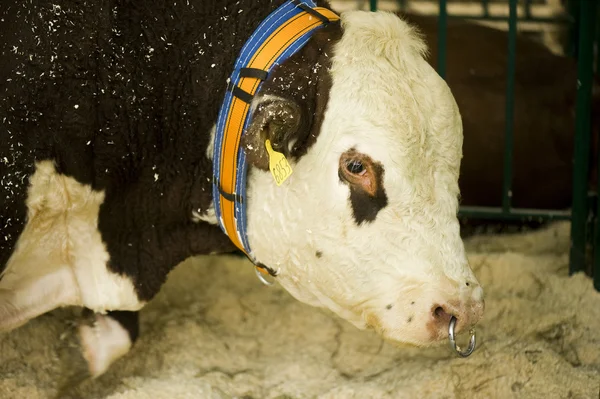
(596, 244)
(527, 8)
(373, 5)
(597, 70)
(573, 10)
(509, 110)
(498, 18)
(486, 8)
(442, 32)
(525, 214)
(580, 211)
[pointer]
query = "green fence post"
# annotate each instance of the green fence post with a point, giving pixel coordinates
(442, 32)
(585, 64)
(573, 8)
(373, 5)
(597, 69)
(486, 8)
(589, 51)
(510, 105)
(527, 9)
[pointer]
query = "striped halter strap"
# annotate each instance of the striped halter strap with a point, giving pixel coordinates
(285, 31)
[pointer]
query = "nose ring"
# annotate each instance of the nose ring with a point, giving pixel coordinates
(457, 348)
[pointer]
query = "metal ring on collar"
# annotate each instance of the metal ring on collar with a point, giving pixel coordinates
(262, 271)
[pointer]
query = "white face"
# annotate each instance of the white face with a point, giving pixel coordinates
(366, 225)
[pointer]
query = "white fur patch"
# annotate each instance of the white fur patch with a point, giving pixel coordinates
(60, 259)
(22, 299)
(209, 216)
(386, 102)
(211, 143)
(103, 343)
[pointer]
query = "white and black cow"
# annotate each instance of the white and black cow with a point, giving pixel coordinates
(107, 115)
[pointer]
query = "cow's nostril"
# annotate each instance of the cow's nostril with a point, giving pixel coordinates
(441, 314)
(438, 311)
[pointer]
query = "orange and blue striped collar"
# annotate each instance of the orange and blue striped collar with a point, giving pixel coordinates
(280, 35)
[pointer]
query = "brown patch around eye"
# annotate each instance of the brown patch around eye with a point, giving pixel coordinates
(364, 176)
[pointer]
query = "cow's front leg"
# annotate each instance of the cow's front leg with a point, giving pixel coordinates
(104, 338)
(24, 297)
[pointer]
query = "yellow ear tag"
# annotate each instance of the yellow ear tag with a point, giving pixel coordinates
(280, 168)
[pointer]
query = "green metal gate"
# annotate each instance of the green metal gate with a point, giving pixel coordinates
(585, 211)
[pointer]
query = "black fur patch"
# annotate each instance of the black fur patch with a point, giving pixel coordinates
(366, 206)
(121, 96)
(130, 321)
(304, 81)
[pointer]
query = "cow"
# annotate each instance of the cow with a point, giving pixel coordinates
(111, 113)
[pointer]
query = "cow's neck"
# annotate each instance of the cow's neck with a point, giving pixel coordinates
(166, 207)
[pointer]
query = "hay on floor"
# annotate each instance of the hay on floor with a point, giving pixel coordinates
(215, 332)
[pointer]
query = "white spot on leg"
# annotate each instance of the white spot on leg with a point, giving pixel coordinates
(60, 258)
(103, 343)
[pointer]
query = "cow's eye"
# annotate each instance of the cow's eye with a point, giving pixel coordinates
(355, 167)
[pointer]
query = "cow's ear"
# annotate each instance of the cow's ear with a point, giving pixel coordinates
(278, 120)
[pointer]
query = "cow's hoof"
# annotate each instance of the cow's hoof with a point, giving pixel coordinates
(74, 366)
(89, 347)
(103, 341)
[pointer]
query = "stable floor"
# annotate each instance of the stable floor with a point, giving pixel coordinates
(216, 332)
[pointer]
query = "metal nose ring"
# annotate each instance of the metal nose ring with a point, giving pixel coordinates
(452, 338)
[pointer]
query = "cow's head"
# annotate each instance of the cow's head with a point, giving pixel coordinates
(366, 225)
